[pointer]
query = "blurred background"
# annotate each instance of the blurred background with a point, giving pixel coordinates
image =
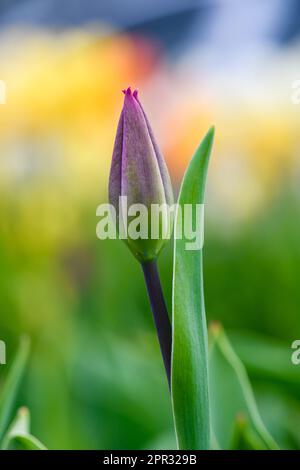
(95, 378)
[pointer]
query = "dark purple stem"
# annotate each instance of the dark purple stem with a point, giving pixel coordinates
(160, 313)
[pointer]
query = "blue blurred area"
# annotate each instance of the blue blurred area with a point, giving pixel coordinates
(171, 21)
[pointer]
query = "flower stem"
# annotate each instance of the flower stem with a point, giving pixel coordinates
(160, 313)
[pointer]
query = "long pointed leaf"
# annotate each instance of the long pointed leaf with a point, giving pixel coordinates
(11, 385)
(190, 396)
(25, 442)
(244, 437)
(18, 436)
(231, 394)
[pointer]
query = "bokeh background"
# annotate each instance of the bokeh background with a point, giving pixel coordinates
(95, 379)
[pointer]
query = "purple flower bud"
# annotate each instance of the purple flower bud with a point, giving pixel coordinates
(138, 171)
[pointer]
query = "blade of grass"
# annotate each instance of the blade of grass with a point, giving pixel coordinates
(231, 393)
(20, 425)
(25, 442)
(190, 398)
(18, 436)
(244, 437)
(11, 385)
(267, 358)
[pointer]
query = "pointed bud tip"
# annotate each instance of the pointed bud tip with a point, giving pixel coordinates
(127, 91)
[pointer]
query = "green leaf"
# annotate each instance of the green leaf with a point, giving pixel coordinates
(18, 436)
(267, 359)
(12, 384)
(25, 442)
(244, 438)
(189, 355)
(232, 396)
(21, 423)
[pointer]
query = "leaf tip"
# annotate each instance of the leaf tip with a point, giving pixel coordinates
(211, 130)
(215, 328)
(209, 136)
(23, 411)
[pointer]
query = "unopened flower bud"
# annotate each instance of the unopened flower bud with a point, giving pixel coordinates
(139, 175)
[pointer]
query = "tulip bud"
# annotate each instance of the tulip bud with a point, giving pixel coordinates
(139, 173)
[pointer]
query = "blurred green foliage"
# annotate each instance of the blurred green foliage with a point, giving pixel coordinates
(95, 377)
